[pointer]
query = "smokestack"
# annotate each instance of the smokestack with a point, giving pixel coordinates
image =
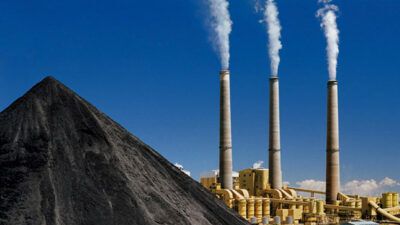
(225, 148)
(275, 172)
(332, 144)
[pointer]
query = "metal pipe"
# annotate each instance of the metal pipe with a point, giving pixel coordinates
(289, 202)
(275, 172)
(307, 190)
(344, 208)
(225, 147)
(332, 144)
(383, 212)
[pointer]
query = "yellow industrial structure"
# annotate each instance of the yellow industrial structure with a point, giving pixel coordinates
(258, 194)
(255, 201)
(254, 180)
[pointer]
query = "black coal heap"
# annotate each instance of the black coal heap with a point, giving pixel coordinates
(63, 162)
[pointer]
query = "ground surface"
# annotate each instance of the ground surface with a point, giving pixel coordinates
(63, 162)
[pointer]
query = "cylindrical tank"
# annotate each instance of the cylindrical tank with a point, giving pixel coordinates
(320, 207)
(275, 171)
(225, 146)
(258, 209)
(266, 207)
(265, 220)
(387, 200)
(306, 208)
(250, 208)
(395, 198)
(277, 220)
(289, 220)
(314, 206)
(332, 144)
(242, 208)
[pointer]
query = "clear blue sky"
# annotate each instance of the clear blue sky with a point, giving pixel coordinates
(150, 66)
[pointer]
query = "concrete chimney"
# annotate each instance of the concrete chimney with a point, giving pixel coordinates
(275, 172)
(332, 144)
(225, 147)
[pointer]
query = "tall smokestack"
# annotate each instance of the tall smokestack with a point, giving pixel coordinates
(332, 144)
(225, 148)
(275, 172)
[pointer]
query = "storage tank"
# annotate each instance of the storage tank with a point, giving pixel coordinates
(250, 208)
(242, 208)
(313, 206)
(320, 207)
(395, 198)
(265, 220)
(289, 220)
(306, 208)
(387, 200)
(277, 220)
(266, 207)
(258, 209)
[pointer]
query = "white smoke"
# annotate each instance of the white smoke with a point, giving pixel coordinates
(360, 187)
(257, 6)
(258, 164)
(328, 23)
(221, 25)
(274, 34)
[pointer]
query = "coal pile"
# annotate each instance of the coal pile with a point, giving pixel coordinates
(63, 162)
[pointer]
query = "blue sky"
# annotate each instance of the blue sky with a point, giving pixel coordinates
(151, 67)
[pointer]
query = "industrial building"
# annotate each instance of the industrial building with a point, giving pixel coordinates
(258, 194)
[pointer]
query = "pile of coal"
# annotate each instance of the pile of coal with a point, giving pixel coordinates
(63, 162)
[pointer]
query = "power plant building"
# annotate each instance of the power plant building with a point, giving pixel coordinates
(259, 195)
(254, 180)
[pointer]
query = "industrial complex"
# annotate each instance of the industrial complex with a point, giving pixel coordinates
(259, 195)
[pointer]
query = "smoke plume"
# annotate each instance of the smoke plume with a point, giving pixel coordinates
(274, 34)
(221, 25)
(258, 164)
(328, 22)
